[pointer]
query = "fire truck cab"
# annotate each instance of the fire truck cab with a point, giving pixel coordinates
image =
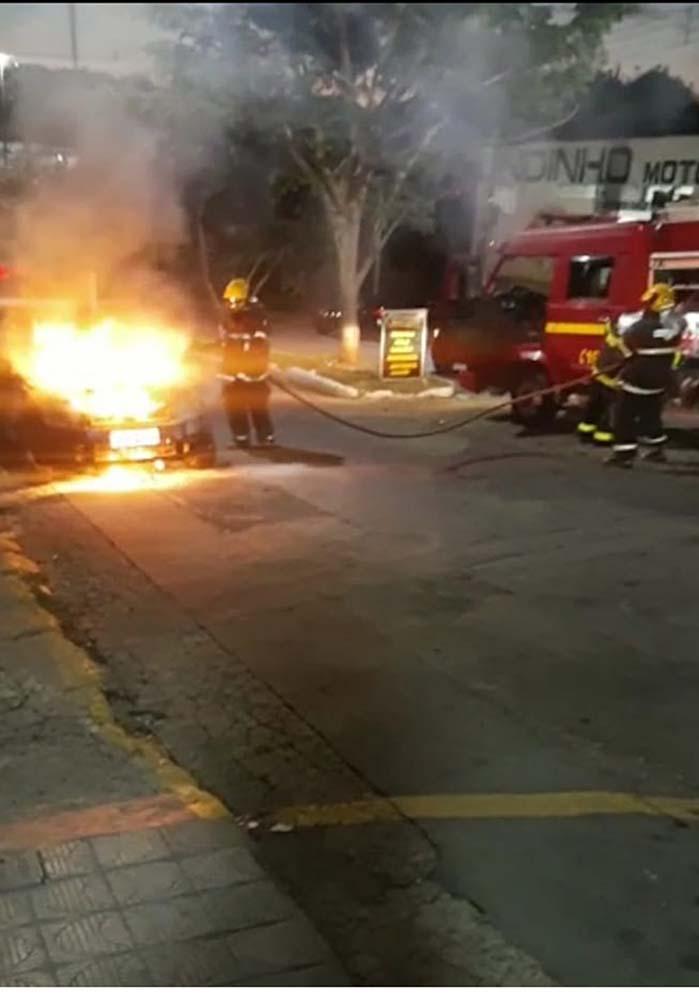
(560, 282)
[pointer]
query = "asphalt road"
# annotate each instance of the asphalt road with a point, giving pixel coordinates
(493, 631)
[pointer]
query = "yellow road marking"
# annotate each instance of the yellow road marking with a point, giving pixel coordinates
(169, 775)
(546, 805)
(576, 329)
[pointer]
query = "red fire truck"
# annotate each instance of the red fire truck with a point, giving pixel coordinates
(542, 317)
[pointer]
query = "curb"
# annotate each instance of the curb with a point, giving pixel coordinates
(322, 385)
(311, 380)
(446, 391)
(82, 676)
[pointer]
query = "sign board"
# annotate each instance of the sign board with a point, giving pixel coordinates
(403, 343)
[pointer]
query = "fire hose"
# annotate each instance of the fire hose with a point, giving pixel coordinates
(451, 427)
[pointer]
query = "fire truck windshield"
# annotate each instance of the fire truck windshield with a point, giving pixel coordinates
(534, 274)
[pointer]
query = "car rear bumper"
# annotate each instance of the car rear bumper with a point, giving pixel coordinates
(129, 444)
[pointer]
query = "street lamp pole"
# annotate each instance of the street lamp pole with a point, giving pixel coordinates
(6, 62)
(73, 22)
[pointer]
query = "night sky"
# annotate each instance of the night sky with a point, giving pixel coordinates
(115, 37)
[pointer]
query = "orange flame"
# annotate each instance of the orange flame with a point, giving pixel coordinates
(109, 371)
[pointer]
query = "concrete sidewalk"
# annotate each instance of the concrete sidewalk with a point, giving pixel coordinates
(115, 868)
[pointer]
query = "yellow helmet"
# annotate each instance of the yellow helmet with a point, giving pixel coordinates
(237, 290)
(659, 297)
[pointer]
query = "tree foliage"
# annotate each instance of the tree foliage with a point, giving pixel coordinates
(648, 106)
(370, 101)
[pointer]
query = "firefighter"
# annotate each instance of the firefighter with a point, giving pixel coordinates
(596, 424)
(652, 343)
(245, 366)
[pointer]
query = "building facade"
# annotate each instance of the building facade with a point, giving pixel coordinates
(519, 183)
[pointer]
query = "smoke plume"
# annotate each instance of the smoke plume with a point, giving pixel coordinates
(113, 212)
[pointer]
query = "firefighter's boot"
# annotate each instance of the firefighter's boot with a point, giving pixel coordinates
(603, 438)
(586, 431)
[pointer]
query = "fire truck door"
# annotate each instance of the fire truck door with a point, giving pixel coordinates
(576, 322)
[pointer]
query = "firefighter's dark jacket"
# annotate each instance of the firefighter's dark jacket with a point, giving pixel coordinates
(652, 343)
(612, 355)
(245, 339)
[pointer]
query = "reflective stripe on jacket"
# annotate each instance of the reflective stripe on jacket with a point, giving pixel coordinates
(652, 342)
(612, 354)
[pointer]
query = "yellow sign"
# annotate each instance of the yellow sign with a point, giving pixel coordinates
(403, 343)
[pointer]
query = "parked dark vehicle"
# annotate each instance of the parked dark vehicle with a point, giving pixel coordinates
(328, 322)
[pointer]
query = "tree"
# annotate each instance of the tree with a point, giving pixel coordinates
(371, 99)
(650, 105)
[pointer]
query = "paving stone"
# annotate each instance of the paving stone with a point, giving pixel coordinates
(69, 859)
(162, 922)
(20, 951)
(319, 975)
(195, 962)
(222, 868)
(32, 980)
(270, 949)
(14, 910)
(245, 906)
(72, 897)
(99, 933)
(123, 970)
(202, 837)
(20, 870)
(131, 848)
(148, 882)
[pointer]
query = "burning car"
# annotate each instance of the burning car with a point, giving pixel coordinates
(112, 392)
(176, 432)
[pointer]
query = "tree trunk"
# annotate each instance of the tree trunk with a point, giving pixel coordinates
(376, 272)
(345, 227)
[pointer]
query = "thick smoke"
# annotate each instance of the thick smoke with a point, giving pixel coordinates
(109, 216)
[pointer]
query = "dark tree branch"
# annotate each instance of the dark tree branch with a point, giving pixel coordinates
(312, 172)
(203, 253)
(378, 244)
(268, 273)
(544, 129)
(421, 148)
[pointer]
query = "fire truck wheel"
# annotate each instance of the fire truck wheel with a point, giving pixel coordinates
(539, 411)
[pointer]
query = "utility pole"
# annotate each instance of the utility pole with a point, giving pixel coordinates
(73, 22)
(6, 62)
(687, 28)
